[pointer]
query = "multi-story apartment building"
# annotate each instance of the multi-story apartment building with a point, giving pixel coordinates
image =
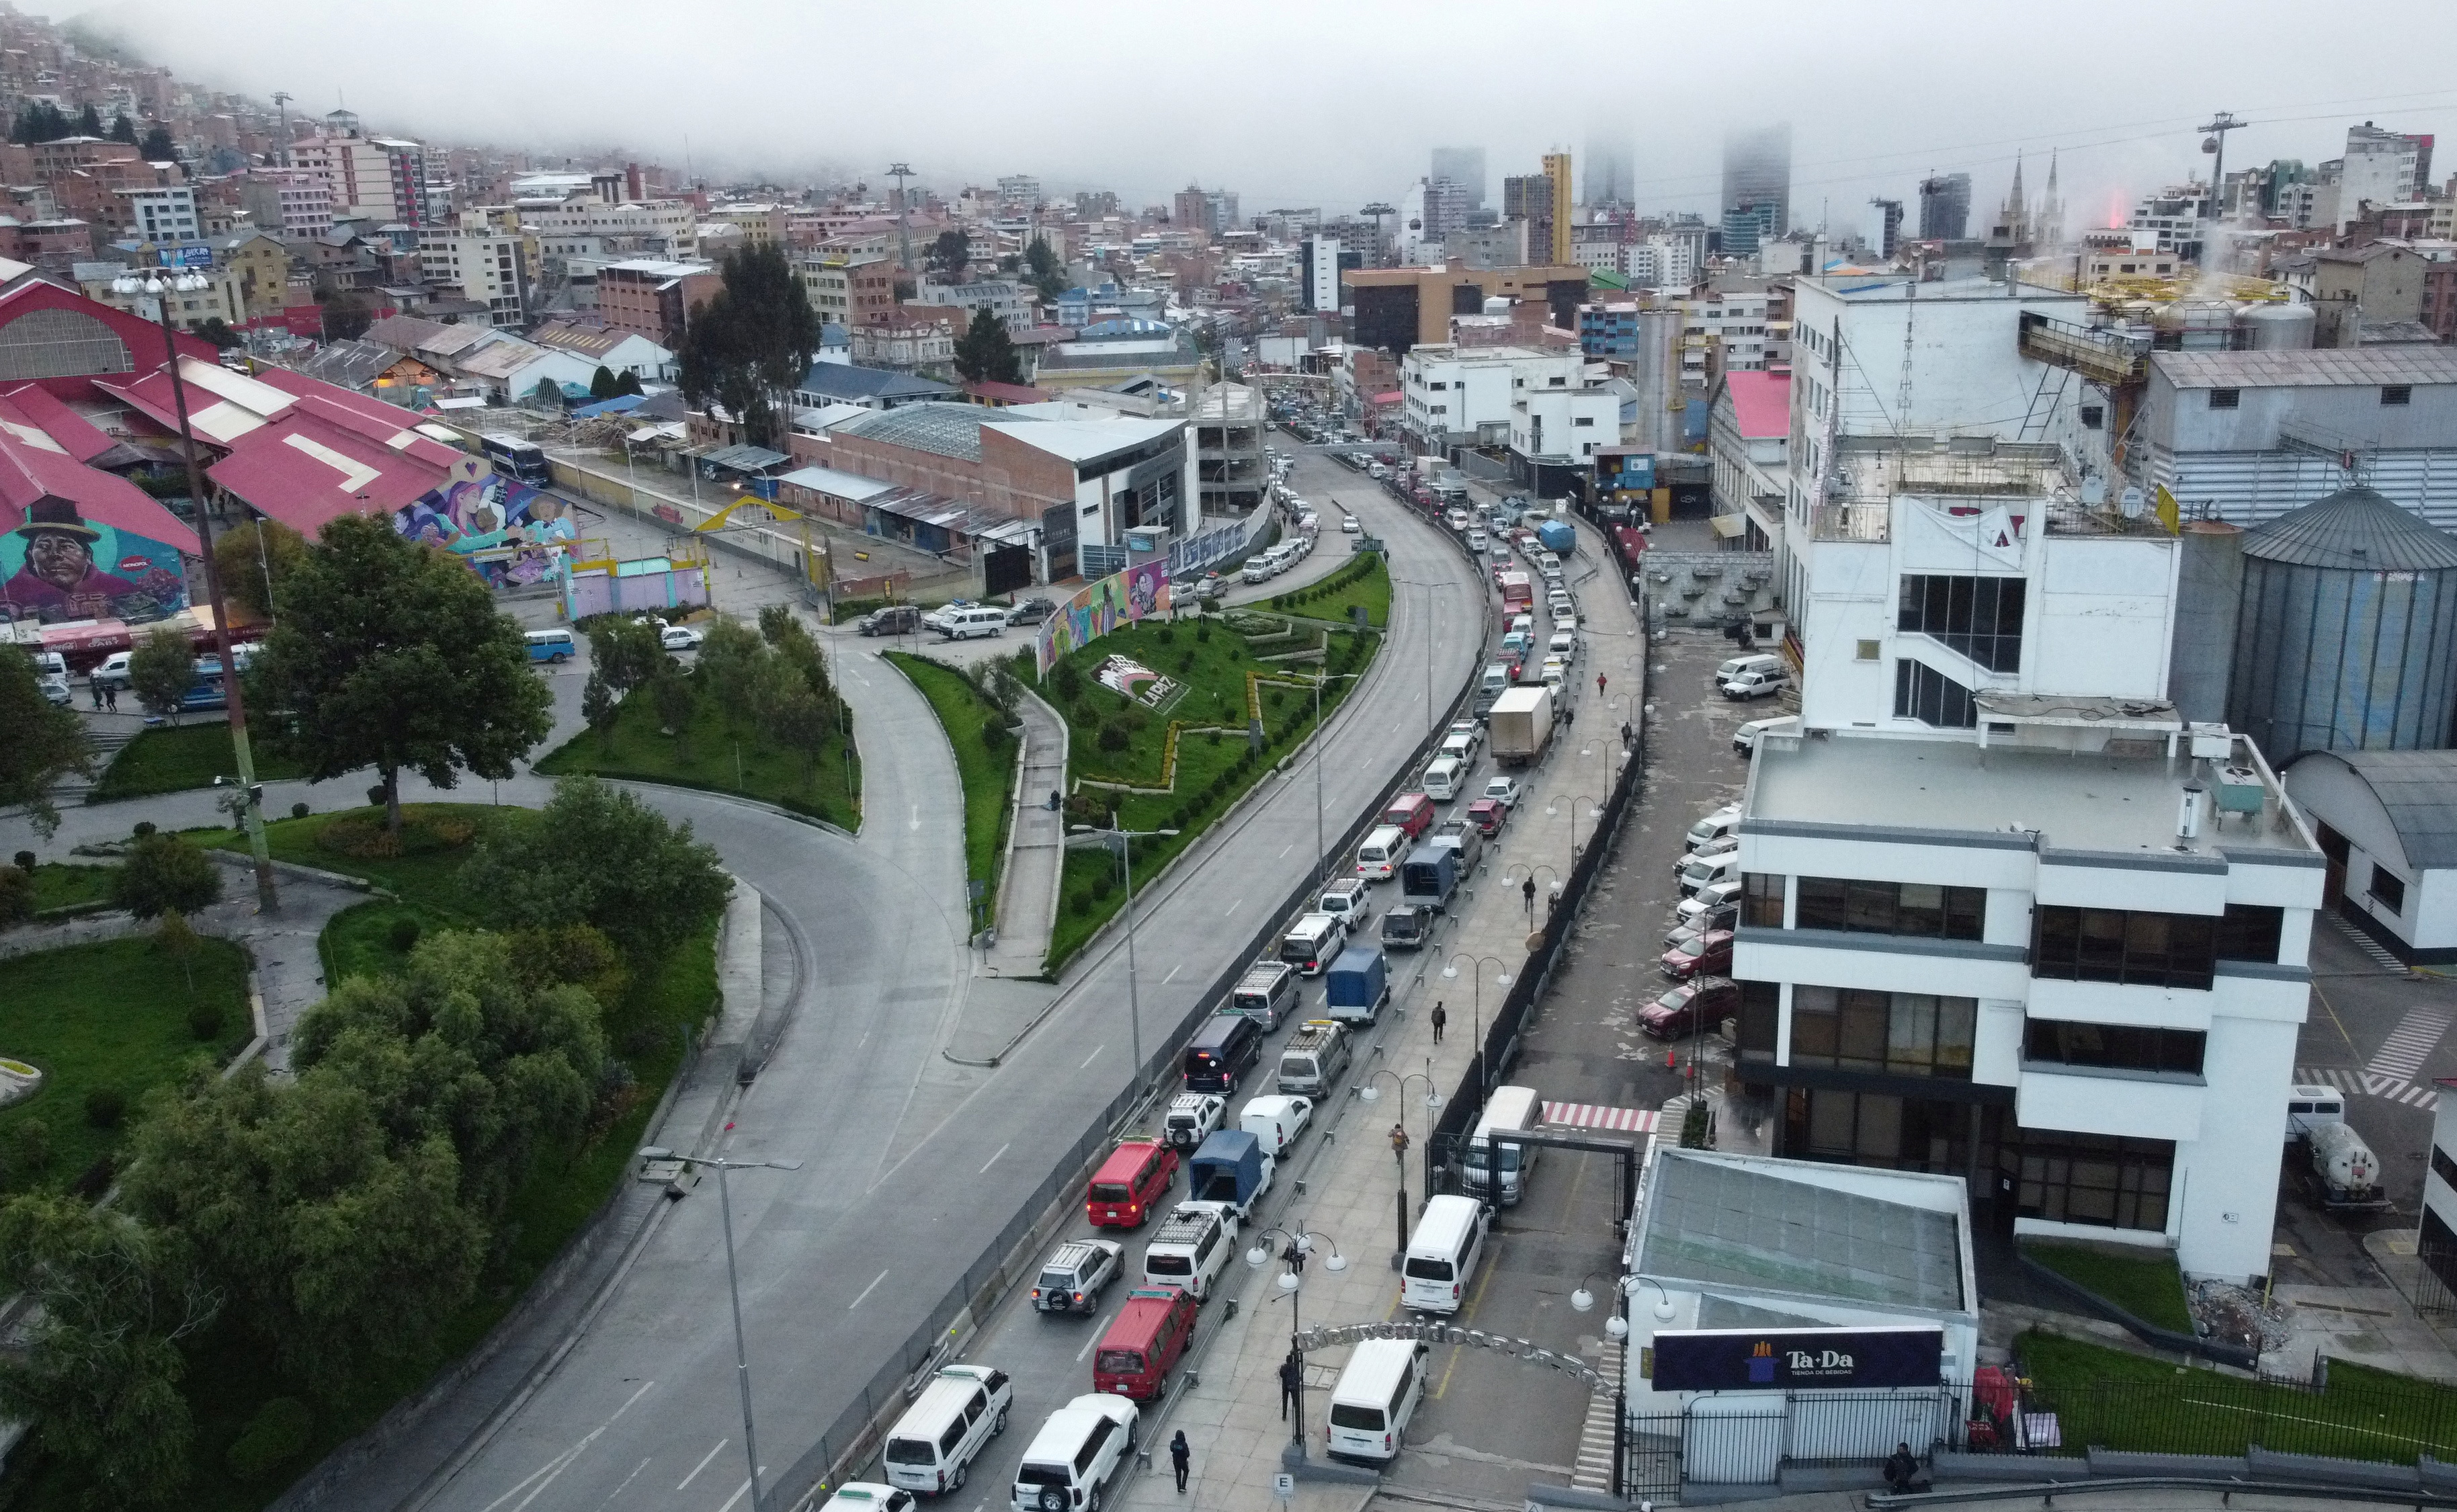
(652, 228)
(1011, 302)
(849, 291)
(761, 225)
(654, 296)
(382, 179)
(1725, 333)
(1555, 434)
(290, 203)
(1456, 396)
(2007, 916)
(485, 261)
(1748, 430)
(165, 217)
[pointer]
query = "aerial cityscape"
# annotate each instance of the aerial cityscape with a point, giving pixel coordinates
(1392, 789)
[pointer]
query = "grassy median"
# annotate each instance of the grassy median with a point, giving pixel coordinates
(985, 757)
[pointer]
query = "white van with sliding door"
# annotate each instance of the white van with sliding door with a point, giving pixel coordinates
(1377, 859)
(1497, 1167)
(975, 620)
(1442, 779)
(1377, 1393)
(1442, 1254)
(935, 1443)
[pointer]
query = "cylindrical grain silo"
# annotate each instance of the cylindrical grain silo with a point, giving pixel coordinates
(2281, 327)
(2209, 587)
(2347, 639)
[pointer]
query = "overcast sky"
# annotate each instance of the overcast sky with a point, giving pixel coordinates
(1334, 103)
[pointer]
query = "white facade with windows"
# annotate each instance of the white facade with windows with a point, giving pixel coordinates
(1464, 396)
(1564, 425)
(165, 217)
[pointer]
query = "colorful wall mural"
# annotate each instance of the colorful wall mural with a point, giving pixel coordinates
(512, 535)
(58, 566)
(1121, 598)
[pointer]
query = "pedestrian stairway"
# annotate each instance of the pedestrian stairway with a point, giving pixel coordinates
(71, 788)
(1593, 1471)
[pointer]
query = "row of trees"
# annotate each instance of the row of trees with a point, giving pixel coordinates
(330, 1222)
(42, 121)
(755, 339)
(772, 681)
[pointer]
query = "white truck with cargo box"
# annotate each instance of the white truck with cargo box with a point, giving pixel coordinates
(1521, 722)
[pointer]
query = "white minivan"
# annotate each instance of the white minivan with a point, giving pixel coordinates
(1377, 1393)
(1083, 1447)
(974, 619)
(1442, 779)
(1442, 1253)
(1705, 871)
(1377, 859)
(1497, 1167)
(934, 1442)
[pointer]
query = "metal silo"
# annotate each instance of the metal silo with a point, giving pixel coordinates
(2348, 638)
(2209, 591)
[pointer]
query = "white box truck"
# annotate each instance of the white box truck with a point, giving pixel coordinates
(1521, 722)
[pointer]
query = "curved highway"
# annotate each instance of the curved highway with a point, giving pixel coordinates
(912, 1164)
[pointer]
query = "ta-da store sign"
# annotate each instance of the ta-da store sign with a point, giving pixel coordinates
(1806, 1358)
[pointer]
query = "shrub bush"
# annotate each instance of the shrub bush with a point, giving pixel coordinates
(994, 733)
(1113, 736)
(25, 860)
(16, 893)
(205, 1021)
(105, 1106)
(277, 1434)
(1102, 887)
(1177, 817)
(403, 935)
(299, 811)
(1166, 634)
(165, 873)
(1203, 630)
(1078, 905)
(144, 827)
(94, 1180)
(30, 1150)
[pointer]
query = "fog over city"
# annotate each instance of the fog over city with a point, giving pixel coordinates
(1306, 104)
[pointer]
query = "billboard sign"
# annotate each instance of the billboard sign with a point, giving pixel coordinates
(1797, 1360)
(186, 255)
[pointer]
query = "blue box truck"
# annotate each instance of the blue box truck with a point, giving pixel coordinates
(1358, 984)
(1427, 874)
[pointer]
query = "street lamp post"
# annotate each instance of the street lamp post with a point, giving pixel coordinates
(1527, 888)
(1595, 811)
(160, 286)
(1297, 1243)
(1501, 977)
(1583, 1300)
(1399, 1135)
(734, 1284)
(1125, 840)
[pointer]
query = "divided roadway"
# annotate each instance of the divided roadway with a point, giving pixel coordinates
(911, 1163)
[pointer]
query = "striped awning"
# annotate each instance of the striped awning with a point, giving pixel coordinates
(1596, 1115)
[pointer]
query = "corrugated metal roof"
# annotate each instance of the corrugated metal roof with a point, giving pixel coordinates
(2314, 367)
(2419, 789)
(1719, 1222)
(2357, 530)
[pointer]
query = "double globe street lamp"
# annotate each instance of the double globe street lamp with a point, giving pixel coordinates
(1296, 1244)
(1400, 1137)
(1616, 1326)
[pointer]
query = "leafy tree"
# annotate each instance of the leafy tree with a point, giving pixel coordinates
(40, 122)
(337, 1247)
(985, 354)
(756, 337)
(347, 317)
(796, 719)
(164, 875)
(676, 700)
(1043, 267)
(38, 743)
(548, 395)
(729, 667)
(950, 254)
(598, 854)
(162, 672)
(99, 1373)
(89, 121)
(597, 706)
(390, 655)
(217, 330)
(174, 938)
(629, 383)
(156, 148)
(256, 558)
(781, 629)
(460, 1047)
(624, 652)
(602, 383)
(123, 130)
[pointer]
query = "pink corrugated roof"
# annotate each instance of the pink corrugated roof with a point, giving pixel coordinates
(27, 473)
(1760, 404)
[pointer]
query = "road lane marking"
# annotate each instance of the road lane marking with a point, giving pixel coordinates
(1239, 903)
(865, 1293)
(739, 1492)
(915, 822)
(1089, 1058)
(561, 1462)
(618, 1490)
(702, 1465)
(1464, 1314)
(1175, 970)
(1091, 1339)
(994, 1159)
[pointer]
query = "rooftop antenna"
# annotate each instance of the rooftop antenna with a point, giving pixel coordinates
(900, 170)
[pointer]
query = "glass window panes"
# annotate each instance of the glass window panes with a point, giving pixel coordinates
(1980, 617)
(1924, 694)
(1892, 1033)
(1893, 908)
(2137, 948)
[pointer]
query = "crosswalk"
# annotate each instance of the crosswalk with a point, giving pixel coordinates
(2364, 1084)
(2401, 1056)
(1593, 1471)
(2366, 943)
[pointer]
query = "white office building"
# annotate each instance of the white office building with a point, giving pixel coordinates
(165, 217)
(1463, 396)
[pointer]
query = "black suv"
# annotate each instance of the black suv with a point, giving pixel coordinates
(895, 619)
(1031, 611)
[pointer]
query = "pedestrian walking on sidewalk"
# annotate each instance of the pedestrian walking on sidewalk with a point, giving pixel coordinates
(1599, 685)
(1569, 717)
(96, 684)
(111, 698)
(1291, 1382)
(1439, 1019)
(1181, 1456)
(1625, 735)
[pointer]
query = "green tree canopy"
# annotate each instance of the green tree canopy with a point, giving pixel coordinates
(158, 148)
(99, 1374)
(985, 354)
(39, 744)
(123, 130)
(603, 384)
(89, 121)
(41, 121)
(950, 254)
(254, 559)
(629, 383)
(1042, 265)
(388, 654)
(217, 330)
(755, 337)
(347, 317)
(624, 651)
(599, 856)
(728, 668)
(161, 671)
(165, 873)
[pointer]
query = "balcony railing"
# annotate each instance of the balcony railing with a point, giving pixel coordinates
(2100, 356)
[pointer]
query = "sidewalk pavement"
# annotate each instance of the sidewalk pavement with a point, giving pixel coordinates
(1349, 1176)
(1027, 898)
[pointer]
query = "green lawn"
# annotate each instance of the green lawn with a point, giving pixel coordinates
(1370, 586)
(58, 885)
(358, 941)
(108, 1015)
(2143, 1282)
(2120, 1400)
(1109, 738)
(718, 759)
(427, 871)
(987, 772)
(173, 758)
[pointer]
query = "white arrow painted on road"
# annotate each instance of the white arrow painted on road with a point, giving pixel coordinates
(561, 1462)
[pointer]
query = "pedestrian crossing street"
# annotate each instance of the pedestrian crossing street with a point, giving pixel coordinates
(2401, 1056)
(2364, 1083)
(2366, 943)
(1594, 1469)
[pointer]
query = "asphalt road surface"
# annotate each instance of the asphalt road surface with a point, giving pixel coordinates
(911, 1163)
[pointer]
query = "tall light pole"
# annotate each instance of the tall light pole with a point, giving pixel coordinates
(1430, 706)
(1399, 1135)
(160, 286)
(1297, 1243)
(1527, 887)
(1124, 840)
(1500, 979)
(734, 1283)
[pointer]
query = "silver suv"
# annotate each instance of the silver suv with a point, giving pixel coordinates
(1072, 1280)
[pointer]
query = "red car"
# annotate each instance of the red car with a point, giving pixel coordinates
(1488, 815)
(1674, 1014)
(1709, 953)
